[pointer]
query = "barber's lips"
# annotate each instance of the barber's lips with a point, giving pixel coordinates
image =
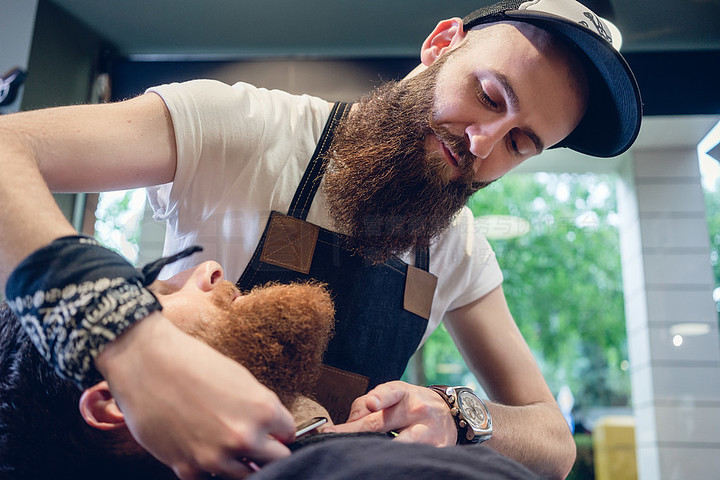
(434, 143)
(450, 159)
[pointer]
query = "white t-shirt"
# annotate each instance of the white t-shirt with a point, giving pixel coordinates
(241, 153)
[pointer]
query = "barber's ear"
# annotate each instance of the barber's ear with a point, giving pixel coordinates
(99, 410)
(447, 35)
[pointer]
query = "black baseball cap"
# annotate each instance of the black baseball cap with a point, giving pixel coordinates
(612, 120)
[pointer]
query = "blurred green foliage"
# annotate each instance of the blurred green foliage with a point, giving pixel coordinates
(563, 284)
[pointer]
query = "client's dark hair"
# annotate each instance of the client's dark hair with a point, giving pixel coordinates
(42, 434)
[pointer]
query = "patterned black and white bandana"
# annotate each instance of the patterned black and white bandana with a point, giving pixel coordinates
(75, 296)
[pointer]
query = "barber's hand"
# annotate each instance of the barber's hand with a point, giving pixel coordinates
(194, 409)
(417, 414)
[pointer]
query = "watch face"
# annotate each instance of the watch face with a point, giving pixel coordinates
(473, 410)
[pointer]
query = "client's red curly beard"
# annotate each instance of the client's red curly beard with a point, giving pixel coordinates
(278, 332)
(383, 189)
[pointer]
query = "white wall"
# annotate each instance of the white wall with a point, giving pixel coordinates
(668, 284)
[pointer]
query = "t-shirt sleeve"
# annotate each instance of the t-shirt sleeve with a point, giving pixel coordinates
(478, 273)
(219, 129)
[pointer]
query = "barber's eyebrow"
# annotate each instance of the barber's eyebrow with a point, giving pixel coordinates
(514, 102)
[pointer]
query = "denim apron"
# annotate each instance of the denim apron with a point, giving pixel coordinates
(382, 310)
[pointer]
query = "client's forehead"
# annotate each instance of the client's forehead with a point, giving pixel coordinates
(164, 287)
(172, 284)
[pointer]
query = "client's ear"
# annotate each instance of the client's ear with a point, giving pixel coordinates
(99, 410)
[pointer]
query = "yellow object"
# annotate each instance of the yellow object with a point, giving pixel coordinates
(614, 448)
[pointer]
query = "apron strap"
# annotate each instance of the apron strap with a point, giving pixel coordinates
(422, 259)
(310, 182)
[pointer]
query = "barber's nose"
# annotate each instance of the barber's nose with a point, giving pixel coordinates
(484, 137)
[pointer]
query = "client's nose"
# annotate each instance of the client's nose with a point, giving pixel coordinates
(208, 275)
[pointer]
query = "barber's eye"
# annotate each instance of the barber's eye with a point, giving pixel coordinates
(485, 98)
(520, 143)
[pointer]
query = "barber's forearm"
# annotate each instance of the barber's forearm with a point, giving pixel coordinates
(29, 218)
(124, 357)
(536, 436)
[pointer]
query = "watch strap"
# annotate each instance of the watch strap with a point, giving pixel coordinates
(465, 433)
(447, 393)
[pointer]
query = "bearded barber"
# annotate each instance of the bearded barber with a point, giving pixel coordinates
(366, 197)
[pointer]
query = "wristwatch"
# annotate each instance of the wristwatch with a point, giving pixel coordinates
(473, 421)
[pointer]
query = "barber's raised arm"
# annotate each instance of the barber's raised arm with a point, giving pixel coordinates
(190, 406)
(77, 148)
(87, 148)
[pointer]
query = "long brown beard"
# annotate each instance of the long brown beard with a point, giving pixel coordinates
(278, 332)
(382, 188)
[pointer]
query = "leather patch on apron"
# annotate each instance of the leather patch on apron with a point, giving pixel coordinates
(290, 243)
(419, 291)
(337, 389)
